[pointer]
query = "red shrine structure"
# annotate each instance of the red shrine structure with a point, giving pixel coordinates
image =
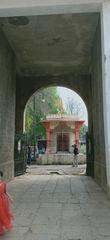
(62, 131)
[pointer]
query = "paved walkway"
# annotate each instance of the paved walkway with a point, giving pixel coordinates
(59, 169)
(58, 207)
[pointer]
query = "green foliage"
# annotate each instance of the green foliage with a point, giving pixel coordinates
(83, 149)
(82, 133)
(82, 136)
(42, 103)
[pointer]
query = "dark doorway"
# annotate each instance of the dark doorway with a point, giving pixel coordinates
(62, 142)
(42, 146)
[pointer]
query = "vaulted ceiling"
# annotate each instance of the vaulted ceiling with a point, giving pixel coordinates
(52, 44)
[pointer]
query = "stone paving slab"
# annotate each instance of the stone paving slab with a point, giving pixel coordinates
(58, 207)
(62, 169)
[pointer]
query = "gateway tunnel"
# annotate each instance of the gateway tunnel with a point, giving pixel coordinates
(56, 49)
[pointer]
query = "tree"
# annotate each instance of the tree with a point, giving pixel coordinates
(73, 106)
(82, 133)
(42, 103)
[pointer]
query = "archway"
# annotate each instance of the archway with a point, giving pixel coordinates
(64, 135)
(85, 75)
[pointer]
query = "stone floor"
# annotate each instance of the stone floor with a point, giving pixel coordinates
(58, 207)
(60, 169)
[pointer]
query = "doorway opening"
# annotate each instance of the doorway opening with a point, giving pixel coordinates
(62, 142)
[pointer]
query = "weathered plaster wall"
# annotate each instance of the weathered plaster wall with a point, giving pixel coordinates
(97, 106)
(7, 108)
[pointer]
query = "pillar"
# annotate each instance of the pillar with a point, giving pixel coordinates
(105, 32)
(48, 150)
(7, 108)
(77, 137)
(19, 120)
(20, 104)
(90, 142)
(48, 137)
(76, 131)
(74, 134)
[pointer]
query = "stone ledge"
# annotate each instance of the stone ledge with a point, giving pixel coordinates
(63, 159)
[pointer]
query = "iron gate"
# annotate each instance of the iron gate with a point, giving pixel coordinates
(20, 154)
(90, 155)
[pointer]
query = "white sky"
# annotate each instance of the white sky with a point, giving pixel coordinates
(66, 93)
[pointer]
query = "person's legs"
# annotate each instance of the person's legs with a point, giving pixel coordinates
(76, 160)
(73, 161)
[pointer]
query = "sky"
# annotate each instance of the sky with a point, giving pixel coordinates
(66, 94)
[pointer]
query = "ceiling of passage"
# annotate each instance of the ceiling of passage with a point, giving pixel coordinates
(52, 44)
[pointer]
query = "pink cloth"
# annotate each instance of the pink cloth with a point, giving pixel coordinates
(5, 214)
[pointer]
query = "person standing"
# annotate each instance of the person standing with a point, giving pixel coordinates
(5, 214)
(76, 152)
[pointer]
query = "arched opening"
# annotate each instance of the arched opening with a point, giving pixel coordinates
(59, 120)
(77, 66)
(42, 49)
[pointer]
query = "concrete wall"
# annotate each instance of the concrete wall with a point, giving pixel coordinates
(97, 107)
(105, 34)
(7, 108)
(44, 7)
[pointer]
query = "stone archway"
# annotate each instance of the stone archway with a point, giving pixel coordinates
(76, 83)
(86, 69)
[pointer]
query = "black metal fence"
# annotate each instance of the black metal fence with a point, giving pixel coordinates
(20, 154)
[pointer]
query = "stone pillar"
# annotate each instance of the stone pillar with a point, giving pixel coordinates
(77, 137)
(20, 104)
(74, 136)
(77, 128)
(48, 137)
(90, 144)
(19, 120)
(48, 148)
(7, 108)
(105, 31)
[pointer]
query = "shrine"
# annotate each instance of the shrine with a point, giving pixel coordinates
(62, 131)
